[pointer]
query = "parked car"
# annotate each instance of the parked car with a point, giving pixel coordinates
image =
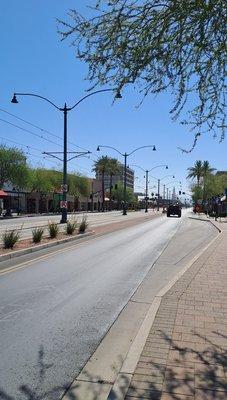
(174, 209)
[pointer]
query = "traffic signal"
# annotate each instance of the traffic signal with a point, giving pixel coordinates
(115, 186)
(179, 192)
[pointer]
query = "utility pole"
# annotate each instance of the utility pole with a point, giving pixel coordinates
(125, 176)
(158, 194)
(146, 202)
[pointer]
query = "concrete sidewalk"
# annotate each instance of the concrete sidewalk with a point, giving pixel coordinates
(185, 355)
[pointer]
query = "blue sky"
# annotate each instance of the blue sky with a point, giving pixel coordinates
(33, 59)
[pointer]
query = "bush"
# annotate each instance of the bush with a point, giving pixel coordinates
(70, 227)
(10, 238)
(37, 235)
(83, 225)
(53, 229)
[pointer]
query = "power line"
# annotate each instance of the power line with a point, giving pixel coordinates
(41, 157)
(38, 127)
(20, 144)
(32, 133)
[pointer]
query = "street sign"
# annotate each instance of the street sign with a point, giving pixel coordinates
(63, 204)
(64, 188)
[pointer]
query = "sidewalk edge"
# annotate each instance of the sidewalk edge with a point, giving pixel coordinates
(117, 392)
(207, 220)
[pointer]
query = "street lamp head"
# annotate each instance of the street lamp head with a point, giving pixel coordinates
(14, 99)
(154, 148)
(118, 95)
(98, 148)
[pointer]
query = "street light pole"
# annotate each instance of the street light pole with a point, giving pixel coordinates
(125, 181)
(65, 110)
(146, 202)
(64, 193)
(146, 176)
(125, 155)
(158, 194)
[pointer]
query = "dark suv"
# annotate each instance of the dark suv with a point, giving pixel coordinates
(174, 209)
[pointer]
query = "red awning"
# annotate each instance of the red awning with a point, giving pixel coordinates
(3, 194)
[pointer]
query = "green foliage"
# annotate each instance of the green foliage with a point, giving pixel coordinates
(37, 235)
(101, 166)
(78, 185)
(13, 168)
(45, 180)
(157, 45)
(70, 227)
(118, 194)
(83, 225)
(208, 184)
(10, 238)
(53, 229)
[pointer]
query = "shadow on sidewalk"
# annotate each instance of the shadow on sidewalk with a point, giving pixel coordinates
(198, 370)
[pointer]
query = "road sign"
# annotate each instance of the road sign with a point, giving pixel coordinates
(63, 204)
(64, 188)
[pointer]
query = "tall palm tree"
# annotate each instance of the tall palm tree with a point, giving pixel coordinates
(101, 167)
(113, 169)
(196, 171)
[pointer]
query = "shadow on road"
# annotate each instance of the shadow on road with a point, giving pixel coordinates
(197, 368)
(68, 391)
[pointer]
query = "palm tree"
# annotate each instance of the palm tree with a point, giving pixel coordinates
(113, 169)
(101, 167)
(196, 171)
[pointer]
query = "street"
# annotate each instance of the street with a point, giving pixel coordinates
(27, 224)
(55, 310)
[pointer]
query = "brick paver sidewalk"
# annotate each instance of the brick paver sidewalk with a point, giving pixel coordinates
(185, 355)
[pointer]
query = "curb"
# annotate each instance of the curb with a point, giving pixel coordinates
(207, 220)
(23, 252)
(116, 388)
(120, 387)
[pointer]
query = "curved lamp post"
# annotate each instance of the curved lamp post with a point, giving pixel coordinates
(159, 180)
(167, 189)
(125, 155)
(65, 110)
(146, 176)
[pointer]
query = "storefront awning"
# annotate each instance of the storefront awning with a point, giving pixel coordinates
(3, 194)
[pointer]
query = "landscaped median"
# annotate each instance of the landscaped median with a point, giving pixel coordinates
(42, 238)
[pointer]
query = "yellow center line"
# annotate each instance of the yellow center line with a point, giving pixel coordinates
(45, 256)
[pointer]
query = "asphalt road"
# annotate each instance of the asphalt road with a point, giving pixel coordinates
(55, 311)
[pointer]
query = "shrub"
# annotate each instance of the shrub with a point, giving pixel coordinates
(10, 238)
(83, 225)
(37, 235)
(53, 229)
(70, 227)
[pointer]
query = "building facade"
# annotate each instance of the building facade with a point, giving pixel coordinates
(118, 178)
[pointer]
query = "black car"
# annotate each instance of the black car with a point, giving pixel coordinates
(174, 209)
